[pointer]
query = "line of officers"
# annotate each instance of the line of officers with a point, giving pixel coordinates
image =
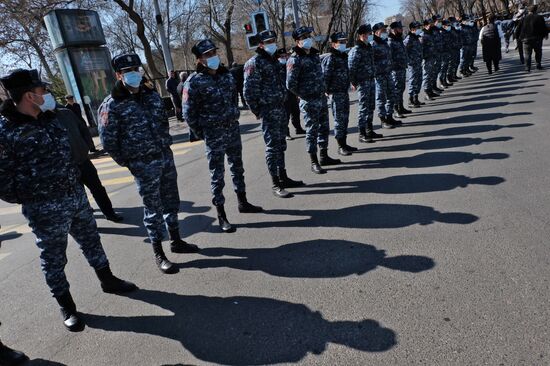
(38, 167)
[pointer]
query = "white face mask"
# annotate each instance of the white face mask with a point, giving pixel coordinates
(48, 104)
(307, 43)
(270, 48)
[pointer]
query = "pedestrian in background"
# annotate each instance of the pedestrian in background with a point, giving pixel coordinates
(237, 71)
(172, 89)
(491, 46)
(533, 31)
(75, 108)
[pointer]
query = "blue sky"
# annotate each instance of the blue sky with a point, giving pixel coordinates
(387, 8)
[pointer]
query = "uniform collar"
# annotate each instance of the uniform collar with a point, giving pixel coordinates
(10, 112)
(301, 52)
(337, 53)
(120, 92)
(263, 53)
(201, 69)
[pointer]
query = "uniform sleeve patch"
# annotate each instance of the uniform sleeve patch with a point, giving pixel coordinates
(104, 115)
(249, 68)
(185, 95)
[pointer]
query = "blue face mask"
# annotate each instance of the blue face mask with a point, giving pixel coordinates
(384, 36)
(270, 48)
(213, 62)
(439, 26)
(307, 43)
(371, 38)
(448, 29)
(132, 79)
(418, 32)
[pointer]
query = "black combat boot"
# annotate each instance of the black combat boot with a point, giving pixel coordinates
(456, 77)
(245, 206)
(385, 123)
(393, 121)
(178, 245)
(450, 81)
(412, 104)
(398, 112)
(342, 148)
(315, 166)
(278, 189)
(71, 319)
(430, 95)
(225, 226)
(300, 131)
(403, 109)
(437, 90)
(163, 264)
(350, 148)
(11, 357)
(114, 217)
(327, 160)
(287, 182)
(111, 284)
(363, 136)
(417, 102)
(373, 135)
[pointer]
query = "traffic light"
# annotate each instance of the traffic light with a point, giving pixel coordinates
(260, 21)
(248, 28)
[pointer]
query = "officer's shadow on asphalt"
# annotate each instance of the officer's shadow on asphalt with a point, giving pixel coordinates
(42, 362)
(132, 225)
(311, 259)
(244, 330)
(9, 236)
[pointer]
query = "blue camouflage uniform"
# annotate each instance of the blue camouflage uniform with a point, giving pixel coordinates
(210, 107)
(305, 79)
(467, 51)
(361, 72)
(382, 68)
(134, 130)
(475, 40)
(438, 55)
(414, 57)
(37, 171)
(456, 45)
(265, 93)
(399, 62)
(446, 50)
(336, 78)
(428, 52)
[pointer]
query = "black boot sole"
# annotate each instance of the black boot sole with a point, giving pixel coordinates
(78, 326)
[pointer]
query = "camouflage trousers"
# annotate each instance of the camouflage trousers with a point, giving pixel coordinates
(340, 112)
(435, 70)
(453, 63)
(51, 222)
(399, 81)
(467, 56)
(428, 65)
(366, 91)
(222, 140)
(384, 95)
(315, 113)
(274, 127)
(157, 184)
(415, 79)
(445, 61)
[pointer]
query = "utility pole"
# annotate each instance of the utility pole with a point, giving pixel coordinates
(296, 14)
(164, 43)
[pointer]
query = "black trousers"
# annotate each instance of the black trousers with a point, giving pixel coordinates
(293, 111)
(89, 177)
(528, 48)
(490, 64)
(520, 51)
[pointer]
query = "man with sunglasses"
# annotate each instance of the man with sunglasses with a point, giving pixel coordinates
(37, 170)
(134, 130)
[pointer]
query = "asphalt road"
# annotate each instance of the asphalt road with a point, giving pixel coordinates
(430, 247)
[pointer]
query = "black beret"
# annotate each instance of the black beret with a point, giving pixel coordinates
(338, 36)
(364, 29)
(446, 22)
(415, 25)
(452, 19)
(203, 46)
(395, 25)
(125, 61)
(266, 35)
(378, 26)
(301, 31)
(21, 78)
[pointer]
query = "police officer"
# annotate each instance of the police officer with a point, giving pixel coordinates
(265, 93)
(456, 45)
(37, 171)
(382, 71)
(414, 57)
(361, 72)
(210, 107)
(428, 54)
(446, 49)
(399, 61)
(305, 79)
(465, 54)
(336, 77)
(292, 105)
(438, 51)
(134, 130)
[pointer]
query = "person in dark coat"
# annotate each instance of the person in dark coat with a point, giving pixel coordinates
(181, 86)
(172, 88)
(490, 44)
(75, 108)
(533, 31)
(237, 71)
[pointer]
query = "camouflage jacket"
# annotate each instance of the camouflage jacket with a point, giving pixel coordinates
(447, 38)
(382, 56)
(209, 100)
(133, 126)
(399, 58)
(304, 75)
(264, 84)
(414, 49)
(467, 35)
(335, 72)
(456, 40)
(428, 47)
(361, 62)
(438, 40)
(36, 164)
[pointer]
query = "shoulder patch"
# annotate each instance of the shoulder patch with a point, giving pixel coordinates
(104, 114)
(249, 68)
(185, 94)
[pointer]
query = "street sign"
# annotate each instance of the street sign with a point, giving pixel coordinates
(259, 22)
